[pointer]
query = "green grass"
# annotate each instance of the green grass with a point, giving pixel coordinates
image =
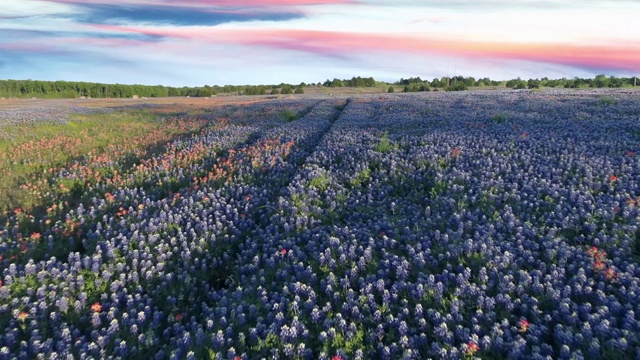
(27, 152)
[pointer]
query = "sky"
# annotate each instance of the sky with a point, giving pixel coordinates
(218, 42)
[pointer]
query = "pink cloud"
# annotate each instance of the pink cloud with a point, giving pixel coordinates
(333, 43)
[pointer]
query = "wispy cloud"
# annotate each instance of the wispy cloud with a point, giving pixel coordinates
(172, 15)
(20, 35)
(621, 56)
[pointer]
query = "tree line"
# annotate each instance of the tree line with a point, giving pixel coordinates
(353, 82)
(72, 89)
(416, 84)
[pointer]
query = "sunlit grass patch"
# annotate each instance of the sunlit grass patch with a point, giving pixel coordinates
(29, 153)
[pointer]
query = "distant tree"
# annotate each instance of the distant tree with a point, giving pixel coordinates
(391, 89)
(355, 81)
(600, 81)
(578, 82)
(483, 82)
(516, 84)
(286, 89)
(299, 90)
(615, 82)
(457, 87)
(436, 83)
(275, 92)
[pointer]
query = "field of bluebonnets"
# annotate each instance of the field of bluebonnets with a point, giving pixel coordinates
(486, 225)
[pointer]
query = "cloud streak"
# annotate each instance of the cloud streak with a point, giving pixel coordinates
(172, 15)
(621, 56)
(236, 4)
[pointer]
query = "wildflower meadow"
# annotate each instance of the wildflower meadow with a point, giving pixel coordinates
(470, 225)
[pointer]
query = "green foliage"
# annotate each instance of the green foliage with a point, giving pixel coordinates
(298, 201)
(361, 178)
(636, 244)
(457, 87)
(391, 89)
(321, 182)
(94, 285)
(72, 89)
(299, 90)
(499, 118)
(533, 84)
(286, 89)
(608, 100)
(353, 82)
(289, 115)
(270, 342)
(254, 90)
(385, 145)
(275, 92)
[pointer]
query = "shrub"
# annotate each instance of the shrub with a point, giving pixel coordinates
(457, 87)
(289, 115)
(608, 100)
(499, 118)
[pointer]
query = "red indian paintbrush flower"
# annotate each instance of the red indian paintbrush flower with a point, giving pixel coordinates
(598, 266)
(472, 348)
(610, 274)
